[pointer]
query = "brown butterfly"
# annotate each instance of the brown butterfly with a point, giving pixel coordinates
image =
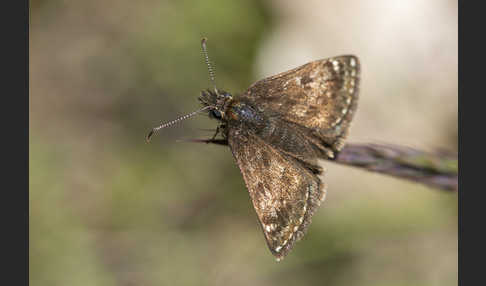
(276, 131)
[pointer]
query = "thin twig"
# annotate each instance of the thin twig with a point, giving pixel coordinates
(438, 170)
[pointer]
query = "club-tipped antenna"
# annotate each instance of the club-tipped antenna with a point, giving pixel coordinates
(170, 123)
(208, 63)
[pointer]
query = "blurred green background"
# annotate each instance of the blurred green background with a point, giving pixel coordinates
(108, 209)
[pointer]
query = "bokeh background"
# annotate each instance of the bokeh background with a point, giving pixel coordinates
(108, 209)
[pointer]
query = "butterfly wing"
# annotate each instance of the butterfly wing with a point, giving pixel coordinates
(285, 194)
(321, 96)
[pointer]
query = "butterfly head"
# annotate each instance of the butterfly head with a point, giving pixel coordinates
(217, 101)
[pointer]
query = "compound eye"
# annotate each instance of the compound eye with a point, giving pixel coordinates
(216, 114)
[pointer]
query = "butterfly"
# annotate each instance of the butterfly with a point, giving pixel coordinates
(277, 130)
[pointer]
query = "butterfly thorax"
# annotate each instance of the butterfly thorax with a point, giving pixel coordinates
(243, 113)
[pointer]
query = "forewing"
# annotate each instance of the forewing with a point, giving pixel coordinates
(321, 95)
(284, 193)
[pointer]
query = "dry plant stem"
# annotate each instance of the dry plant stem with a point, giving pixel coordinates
(437, 170)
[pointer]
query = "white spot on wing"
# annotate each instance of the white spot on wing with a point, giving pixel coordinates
(335, 65)
(298, 80)
(273, 226)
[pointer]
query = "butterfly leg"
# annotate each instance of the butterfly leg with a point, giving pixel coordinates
(218, 129)
(216, 133)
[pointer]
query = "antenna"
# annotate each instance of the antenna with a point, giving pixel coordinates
(208, 63)
(170, 123)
